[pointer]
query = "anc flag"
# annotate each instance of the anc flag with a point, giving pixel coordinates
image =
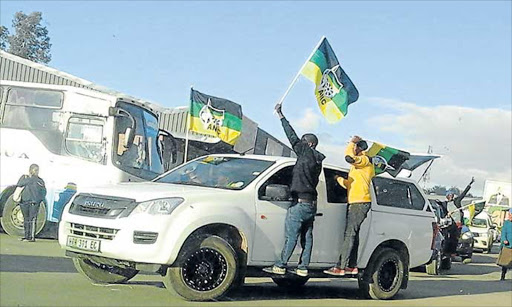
(215, 116)
(387, 159)
(334, 90)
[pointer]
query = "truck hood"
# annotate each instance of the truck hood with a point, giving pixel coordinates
(143, 191)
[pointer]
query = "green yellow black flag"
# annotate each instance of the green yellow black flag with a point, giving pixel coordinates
(215, 116)
(334, 90)
(387, 159)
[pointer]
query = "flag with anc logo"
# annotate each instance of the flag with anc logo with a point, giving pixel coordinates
(387, 159)
(215, 116)
(334, 90)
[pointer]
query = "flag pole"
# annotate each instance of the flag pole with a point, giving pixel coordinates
(188, 125)
(300, 70)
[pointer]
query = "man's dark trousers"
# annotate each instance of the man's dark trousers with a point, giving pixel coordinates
(29, 211)
(299, 222)
(355, 217)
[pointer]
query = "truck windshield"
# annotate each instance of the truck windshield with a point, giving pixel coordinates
(141, 156)
(217, 172)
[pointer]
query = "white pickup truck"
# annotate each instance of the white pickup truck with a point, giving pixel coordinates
(208, 224)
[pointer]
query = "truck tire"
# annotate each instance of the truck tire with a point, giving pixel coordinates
(383, 277)
(12, 218)
(446, 263)
(434, 268)
(289, 282)
(205, 269)
(103, 274)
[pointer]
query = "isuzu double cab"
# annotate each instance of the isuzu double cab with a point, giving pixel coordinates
(208, 224)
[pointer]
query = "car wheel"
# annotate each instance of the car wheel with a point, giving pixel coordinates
(12, 218)
(434, 268)
(102, 273)
(384, 275)
(205, 269)
(290, 282)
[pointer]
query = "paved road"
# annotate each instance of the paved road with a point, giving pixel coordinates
(38, 274)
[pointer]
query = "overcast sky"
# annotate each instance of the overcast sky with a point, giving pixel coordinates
(432, 73)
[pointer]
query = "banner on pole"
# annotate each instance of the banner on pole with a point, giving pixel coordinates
(215, 116)
(334, 90)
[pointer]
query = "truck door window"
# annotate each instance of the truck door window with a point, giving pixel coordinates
(393, 193)
(335, 193)
(283, 176)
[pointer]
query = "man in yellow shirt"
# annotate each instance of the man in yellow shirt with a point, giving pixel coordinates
(359, 202)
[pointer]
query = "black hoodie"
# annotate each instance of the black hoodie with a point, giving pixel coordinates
(34, 191)
(307, 168)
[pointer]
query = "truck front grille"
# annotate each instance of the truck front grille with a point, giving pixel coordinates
(101, 206)
(87, 231)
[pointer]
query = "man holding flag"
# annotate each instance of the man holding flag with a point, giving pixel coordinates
(359, 202)
(301, 214)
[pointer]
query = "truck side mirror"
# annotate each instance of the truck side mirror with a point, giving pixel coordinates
(277, 192)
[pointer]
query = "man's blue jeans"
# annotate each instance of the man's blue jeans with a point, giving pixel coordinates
(356, 214)
(299, 221)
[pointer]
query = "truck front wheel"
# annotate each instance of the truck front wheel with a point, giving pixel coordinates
(103, 274)
(205, 269)
(12, 218)
(383, 277)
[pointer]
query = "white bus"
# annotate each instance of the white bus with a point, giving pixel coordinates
(78, 137)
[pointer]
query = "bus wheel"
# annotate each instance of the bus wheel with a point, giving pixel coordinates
(12, 218)
(102, 273)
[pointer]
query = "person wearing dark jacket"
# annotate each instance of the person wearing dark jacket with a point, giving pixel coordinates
(455, 228)
(301, 214)
(34, 192)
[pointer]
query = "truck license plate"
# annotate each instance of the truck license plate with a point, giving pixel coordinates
(85, 244)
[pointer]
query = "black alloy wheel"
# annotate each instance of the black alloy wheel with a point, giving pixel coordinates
(205, 269)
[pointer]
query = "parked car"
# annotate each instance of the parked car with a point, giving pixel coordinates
(484, 232)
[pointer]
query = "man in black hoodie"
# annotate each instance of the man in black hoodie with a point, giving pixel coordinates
(33, 194)
(301, 214)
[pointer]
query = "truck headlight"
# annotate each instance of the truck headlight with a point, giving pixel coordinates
(158, 206)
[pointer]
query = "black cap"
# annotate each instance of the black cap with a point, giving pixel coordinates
(362, 144)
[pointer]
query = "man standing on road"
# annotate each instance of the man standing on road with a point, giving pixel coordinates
(455, 228)
(359, 202)
(301, 214)
(34, 192)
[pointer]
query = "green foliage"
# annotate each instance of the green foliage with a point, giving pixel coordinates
(30, 40)
(4, 35)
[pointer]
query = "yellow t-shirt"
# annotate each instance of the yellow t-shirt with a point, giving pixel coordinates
(359, 177)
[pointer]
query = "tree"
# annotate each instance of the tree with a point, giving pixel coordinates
(4, 35)
(31, 40)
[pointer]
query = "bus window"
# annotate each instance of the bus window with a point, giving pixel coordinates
(84, 139)
(32, 108)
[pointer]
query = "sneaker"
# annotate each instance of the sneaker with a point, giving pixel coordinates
(23, 239)
(335, 271)
(275, 270)
(299, 272)
(351, 271)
